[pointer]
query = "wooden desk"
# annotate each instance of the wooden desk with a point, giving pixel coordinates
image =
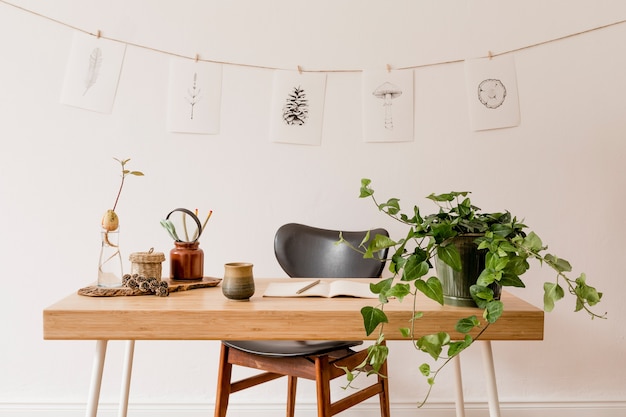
(205, 314)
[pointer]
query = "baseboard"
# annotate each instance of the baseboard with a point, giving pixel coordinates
(573, 409)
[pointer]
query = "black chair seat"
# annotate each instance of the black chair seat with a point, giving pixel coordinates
(290, 348)
(308, 252)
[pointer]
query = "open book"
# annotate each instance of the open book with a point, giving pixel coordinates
(328, 289)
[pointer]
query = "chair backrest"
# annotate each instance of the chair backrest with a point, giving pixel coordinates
(309, 252)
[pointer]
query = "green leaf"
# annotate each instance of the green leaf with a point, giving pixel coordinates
(433, 343)
(496, 262)
(560, 265)
(414, 269)
(447, 196)
(586, 293)
(349, 374)
(377, 356)
(399, 291)
(450, 255)
(467, 324)
(431, 289)
(366, 191)
(533, 242)
(378, 243)
(392, 206)
(552, 292)
(381, 286)
(493, 311)
(372, 317)
(457, 347)
(405, 332)
(518, 265)
(501, 230)
(425, 369)
(481, 295)
(488, 276)
(511, 280)
(417, 315)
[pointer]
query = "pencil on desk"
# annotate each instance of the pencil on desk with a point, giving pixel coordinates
(311, 285)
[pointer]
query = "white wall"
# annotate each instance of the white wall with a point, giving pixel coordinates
(562, 170)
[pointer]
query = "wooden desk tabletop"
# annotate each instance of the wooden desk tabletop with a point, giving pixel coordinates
(205, 314)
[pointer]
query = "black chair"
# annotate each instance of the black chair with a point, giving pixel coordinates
(307, 252)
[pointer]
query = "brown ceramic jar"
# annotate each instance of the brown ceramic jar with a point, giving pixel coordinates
(186, 261)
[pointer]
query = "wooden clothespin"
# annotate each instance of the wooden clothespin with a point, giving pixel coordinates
(490, 55)
(98, 34)
(388, 68)
(197, 58)
(299, 69)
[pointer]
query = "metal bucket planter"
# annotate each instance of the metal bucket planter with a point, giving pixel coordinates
(456, 284)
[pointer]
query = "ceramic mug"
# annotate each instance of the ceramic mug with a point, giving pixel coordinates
(238, 282)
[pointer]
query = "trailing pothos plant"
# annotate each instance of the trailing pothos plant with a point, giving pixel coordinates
(508, 247)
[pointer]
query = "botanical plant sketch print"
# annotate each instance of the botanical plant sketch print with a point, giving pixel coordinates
(93, 70)
(387, 101)
(92, 73)
(195, 94)
(492, 93)
(297, 107)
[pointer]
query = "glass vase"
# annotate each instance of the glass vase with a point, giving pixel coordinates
(110, 264)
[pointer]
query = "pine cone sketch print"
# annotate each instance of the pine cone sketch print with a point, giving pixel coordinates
(296, 108)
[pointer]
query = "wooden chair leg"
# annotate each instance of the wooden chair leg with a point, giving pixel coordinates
(292, 385)
(223, 383)
(322, 381)
(384, 395)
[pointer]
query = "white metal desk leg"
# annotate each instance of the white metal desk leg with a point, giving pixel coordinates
(490, 373)
(126, 373)
(96, 378)
(459, 401)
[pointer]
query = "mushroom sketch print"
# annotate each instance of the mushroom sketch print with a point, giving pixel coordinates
(93, 70)
(491, 93)
(296, 108)
(193, 94)
(387, 92)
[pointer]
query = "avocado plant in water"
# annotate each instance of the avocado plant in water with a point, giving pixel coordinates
(507, 246)
(110, 220)
(110, 264)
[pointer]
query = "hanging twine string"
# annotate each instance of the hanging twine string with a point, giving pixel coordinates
(196, 58)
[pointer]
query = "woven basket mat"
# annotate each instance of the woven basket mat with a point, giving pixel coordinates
(173, 285)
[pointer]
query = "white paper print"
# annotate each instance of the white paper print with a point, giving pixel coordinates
(195, 95)
(297, 107)
(387, 98)
(92, 74)
(492, 93)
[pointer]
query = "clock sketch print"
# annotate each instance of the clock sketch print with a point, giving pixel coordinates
(387, 92)
(296, 108)
(491, 93)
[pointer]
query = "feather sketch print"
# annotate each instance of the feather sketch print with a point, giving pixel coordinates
(95, 61)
